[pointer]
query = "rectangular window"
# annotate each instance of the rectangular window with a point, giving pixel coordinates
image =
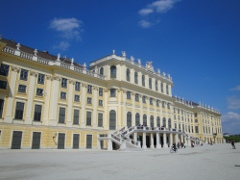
(22, 88)
(19, 110)
(4, 70)
(89, 90)
(76, 116)
(100, 102)
(196, 129)
(113, 93)
(128, 95)
(100, 119)
(156, 85)
(137, 97)
(89, 100)
(195, 114)
(39, 92)
(24, 74)
(77, 86)
(64, 82)
(41, 78)
(157, 103)
(1, 107)
(63, 95)
(76, 98)
(100, 91)
(89, 119)
(3, 84)
(151, 101)
(61, 115)
(144, 99)
(37, 112)
(89, 142)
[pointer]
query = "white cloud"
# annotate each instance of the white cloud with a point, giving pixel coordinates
(68, 28)
(236, 88)
(63, 45)
(231, 122)
(145, 11)
(233, 102)
(145, 24)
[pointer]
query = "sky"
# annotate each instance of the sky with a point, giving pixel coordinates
(196, 42)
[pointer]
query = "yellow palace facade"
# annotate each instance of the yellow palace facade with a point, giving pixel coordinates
(49, 101)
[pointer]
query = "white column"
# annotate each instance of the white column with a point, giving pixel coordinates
(176, 138)
(181, 138)
(152, 141)
(165, 140)
(135, 137)
(9, 101)
(144, 138)
(109, 142)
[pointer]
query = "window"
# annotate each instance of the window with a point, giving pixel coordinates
(143, 80)
(4, 70)
(157, 103)
(64, 82)
(22, 88)
(100, 91)
(61, 115)
(137, 97)
(162, 87)
(128, 95)
(89, 100)
(77, 86)
(164, 122)
(151, 121)
(158, 121)
(112, 120)
(63, 95)
(76, 116)
(144, 99)
(136, 77)
(19, 110)
(156, 85)
(169, 123)
(37, 113)
(150, 83)
(113, 71)
(39, 92)
(167, 91)
(163, 104)
(24, 74)
(100, 119)
(101, 71)
(1, 107)
(195, 114)
(76, 98)
(89, 142)
(89, 118)
(100, 102)
(151, 101)
(128, 74)
(168, 105)
(137, 119)
(129, 119)
(41, 78)
(144, 120)
(89, 90)
(196, 129)
(112, 92)
(3, 84)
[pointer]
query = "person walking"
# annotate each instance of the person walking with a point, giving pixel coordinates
(233, 144)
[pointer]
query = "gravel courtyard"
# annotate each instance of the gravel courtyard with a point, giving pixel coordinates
(218, 162)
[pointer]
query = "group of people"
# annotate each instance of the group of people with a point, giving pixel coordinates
(180, 145)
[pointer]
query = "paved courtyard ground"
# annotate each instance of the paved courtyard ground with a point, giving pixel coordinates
(216, 162)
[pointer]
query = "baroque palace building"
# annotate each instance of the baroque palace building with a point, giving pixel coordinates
(48, 101)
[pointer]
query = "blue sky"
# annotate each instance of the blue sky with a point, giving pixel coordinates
(197, 42)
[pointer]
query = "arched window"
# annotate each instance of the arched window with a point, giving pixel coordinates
(164, 122)
(129, 119)
(137, 119)
(128, 74)
(112, 120)
(101, 71)
(151, 121)
(169, 123)
(144, 119)
(158, 121)
(150, 83)
(143, 80)
(113, 72)
(136, 77)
